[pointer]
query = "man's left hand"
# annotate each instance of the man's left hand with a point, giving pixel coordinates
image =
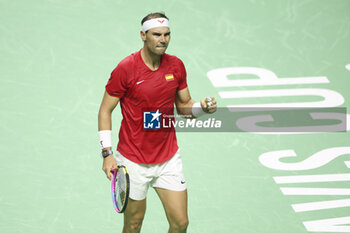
(208, 104)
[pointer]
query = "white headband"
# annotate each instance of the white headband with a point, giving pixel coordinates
(154, 23)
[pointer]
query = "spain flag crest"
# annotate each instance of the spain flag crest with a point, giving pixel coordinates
(169, 77)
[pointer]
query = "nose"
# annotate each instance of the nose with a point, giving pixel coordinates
(162, 39)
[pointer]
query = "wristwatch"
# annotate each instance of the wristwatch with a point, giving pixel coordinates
(106, 153)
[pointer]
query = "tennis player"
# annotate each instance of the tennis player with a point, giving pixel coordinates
(149, 78)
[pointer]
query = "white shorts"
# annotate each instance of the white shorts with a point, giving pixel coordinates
(168, 175)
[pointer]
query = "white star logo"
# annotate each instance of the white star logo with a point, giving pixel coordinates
(155, 115)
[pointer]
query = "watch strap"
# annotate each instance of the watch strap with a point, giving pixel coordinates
(106, 153)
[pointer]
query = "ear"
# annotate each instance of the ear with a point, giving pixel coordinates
(143, 35)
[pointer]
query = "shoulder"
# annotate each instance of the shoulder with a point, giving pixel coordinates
(128, 61)
(175, 63)
(172, 59)
(124, 69)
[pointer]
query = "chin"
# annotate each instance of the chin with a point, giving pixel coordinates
(159, 52)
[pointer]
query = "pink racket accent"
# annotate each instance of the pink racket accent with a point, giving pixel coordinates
(123, 188)
(114, 196)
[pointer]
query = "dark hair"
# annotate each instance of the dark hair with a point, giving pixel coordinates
(153, 16)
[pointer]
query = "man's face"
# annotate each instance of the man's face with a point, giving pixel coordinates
(156, 39)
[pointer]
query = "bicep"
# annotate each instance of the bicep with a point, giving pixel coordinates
(109, 102)
(183, 97)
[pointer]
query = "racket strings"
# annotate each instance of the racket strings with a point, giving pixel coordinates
(121, 188)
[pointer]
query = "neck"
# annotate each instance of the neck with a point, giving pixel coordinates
(151, 60)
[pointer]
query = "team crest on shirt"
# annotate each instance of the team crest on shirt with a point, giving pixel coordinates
(169, 77)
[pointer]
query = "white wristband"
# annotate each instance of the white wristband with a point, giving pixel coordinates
(105, 138)
(197, 110)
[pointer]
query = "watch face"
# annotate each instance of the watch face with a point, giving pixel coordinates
(105, 153)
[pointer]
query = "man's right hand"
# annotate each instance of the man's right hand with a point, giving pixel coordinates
(109, 163)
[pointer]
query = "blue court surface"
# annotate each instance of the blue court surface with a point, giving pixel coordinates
(56, 57)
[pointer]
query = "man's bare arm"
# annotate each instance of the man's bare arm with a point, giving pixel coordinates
(105, 113)
(184, 103)
(105, 123)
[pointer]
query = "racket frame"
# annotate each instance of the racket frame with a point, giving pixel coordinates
(113, 187)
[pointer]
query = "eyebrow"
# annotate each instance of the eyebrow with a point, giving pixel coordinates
(158, 33)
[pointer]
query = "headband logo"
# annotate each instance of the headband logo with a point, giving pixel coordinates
(161, 21)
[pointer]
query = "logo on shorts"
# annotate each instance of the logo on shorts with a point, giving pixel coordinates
(151, 120)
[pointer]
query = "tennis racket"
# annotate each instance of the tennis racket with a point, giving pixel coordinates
(120, 185)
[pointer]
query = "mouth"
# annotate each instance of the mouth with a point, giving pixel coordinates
(161, 48)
